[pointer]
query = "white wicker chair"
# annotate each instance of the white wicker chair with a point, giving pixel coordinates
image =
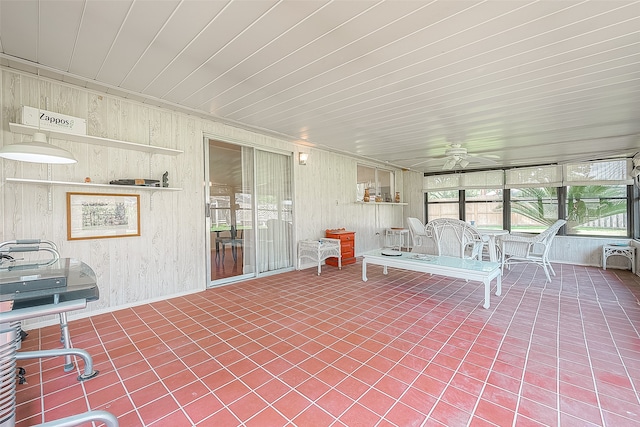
(421, 243)
(455, 238)
(530, 248)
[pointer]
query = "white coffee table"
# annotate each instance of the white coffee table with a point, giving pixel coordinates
(482, 271)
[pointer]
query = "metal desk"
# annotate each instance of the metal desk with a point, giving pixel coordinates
(27, 292)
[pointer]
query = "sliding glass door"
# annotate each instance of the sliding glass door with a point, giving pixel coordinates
(250, 212)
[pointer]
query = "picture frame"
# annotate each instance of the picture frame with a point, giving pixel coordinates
(102, 216)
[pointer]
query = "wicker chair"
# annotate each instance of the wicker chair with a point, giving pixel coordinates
(530, 248)
(420, 242)
(455, 238)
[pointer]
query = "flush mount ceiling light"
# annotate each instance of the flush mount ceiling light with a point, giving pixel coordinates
(37, 151)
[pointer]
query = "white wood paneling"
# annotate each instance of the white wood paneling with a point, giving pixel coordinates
(527, 82)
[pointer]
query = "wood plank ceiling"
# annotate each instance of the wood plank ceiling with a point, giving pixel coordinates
(521, 82)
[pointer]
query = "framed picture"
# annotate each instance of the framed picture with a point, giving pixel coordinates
(100, 216)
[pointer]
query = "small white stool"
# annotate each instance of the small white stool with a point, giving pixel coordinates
(626, 251)
(319, 250)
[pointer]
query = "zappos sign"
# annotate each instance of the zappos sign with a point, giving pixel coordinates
(54, 121)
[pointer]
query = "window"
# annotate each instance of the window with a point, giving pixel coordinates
(594, 197)
(533, 209)
(443, 204)
(597, 210)
(483, 207)
(380, 182)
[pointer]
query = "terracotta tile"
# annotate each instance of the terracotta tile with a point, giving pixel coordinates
(494, 413)
(247, 406)
(267, 417)
(359, 415)
(203, 407)
(376, 401)
(449, 415)
(291, 404)
(334, 402)
(157, 409)
(190, 392)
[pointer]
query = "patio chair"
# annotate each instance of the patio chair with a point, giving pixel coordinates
(455, 238)
(530, 248)
(420, 242)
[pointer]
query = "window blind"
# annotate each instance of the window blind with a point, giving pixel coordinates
(483, 179)
(605, 172)
(442, 182)
(541, 176)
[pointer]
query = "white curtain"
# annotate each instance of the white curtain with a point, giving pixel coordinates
(275, 211)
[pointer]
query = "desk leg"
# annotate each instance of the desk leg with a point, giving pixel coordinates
(364, 270)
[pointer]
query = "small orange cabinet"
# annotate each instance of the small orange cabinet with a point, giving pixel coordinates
(347, 246)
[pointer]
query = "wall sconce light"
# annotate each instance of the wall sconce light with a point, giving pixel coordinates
(302, 158)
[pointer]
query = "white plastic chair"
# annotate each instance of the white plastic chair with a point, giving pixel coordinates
(530, 248)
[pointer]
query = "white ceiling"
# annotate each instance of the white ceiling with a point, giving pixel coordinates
(528, 82)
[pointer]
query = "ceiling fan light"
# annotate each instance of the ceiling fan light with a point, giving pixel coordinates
(464, 163)
(449, 164)
(37, 151)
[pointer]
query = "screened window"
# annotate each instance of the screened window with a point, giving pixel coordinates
(443, 204)
(597, 210)
(483, 208)
(533, 209)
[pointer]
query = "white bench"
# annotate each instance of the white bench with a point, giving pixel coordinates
(460, 268)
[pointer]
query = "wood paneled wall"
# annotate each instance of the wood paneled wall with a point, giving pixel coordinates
(169, 257)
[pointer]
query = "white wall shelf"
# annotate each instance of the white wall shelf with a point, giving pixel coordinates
(90, 184)
(382, 203)
(95, 140)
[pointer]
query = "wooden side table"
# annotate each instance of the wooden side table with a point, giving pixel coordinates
(347, 246)
(626, 251)
(318, 251)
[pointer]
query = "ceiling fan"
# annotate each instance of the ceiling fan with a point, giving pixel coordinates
(457, 155)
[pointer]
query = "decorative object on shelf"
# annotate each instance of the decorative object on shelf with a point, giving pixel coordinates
(165, 179)
(137, 181)
(366, 197)
(378, 198)
(50, 120)
(397, 197)
(87, 179)
(99, 216)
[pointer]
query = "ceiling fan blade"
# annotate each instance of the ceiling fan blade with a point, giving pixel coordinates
(479, 159)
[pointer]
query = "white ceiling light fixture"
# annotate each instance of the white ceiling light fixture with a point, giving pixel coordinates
(38, 150)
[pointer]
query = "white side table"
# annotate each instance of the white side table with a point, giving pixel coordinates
(626, 251)
(397, 238)
(319, 250)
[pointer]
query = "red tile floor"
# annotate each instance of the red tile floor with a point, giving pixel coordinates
(406, 349)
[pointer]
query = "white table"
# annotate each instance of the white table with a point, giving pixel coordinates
(319, 250)
(490, 236)
(482, 271)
